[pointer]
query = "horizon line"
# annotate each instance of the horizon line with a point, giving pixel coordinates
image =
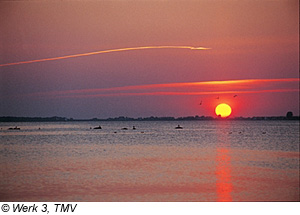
(124, 118)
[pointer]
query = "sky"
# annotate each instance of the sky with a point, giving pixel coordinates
(86, 59)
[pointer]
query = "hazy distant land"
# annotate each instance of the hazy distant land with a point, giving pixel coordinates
(151, 118)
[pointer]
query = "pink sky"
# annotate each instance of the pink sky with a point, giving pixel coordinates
(249, 40)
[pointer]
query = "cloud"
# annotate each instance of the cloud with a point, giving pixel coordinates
(243, 86)
(179, 93)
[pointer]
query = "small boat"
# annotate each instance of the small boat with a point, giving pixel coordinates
(124, 128)
(178, 127)
(99, 127)
(133, 128)
(15, 128)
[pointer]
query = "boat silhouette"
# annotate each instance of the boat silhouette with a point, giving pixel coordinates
(15, 128)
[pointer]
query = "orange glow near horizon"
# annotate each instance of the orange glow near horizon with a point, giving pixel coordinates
(231, 92)
(223, 110)
(103, 52)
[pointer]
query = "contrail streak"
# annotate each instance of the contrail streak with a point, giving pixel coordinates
(103, 52)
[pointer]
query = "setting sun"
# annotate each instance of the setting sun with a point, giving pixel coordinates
(223, 110)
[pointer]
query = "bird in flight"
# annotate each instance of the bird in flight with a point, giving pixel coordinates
(234, 96)
(200, 103)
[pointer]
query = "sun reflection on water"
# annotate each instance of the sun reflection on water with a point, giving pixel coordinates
(223, 175)
(224, 185)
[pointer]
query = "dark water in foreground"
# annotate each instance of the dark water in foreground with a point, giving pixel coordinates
(205, 161)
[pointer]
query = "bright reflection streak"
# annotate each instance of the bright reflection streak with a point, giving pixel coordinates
(223, 164)
(103, 52)
(223, 174)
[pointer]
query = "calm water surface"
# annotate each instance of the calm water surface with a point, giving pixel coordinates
(205, 161)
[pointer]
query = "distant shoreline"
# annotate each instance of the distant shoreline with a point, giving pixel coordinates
(152, 118)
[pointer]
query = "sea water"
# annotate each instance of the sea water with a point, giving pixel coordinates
(205, 161)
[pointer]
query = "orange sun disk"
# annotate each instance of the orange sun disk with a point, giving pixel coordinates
(223, 110)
